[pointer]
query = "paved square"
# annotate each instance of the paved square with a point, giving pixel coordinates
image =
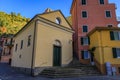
(7, 73)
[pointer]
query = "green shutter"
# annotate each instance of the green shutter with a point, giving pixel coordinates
(89, 40)
(114, 53)
(112, 35)
(82, 54)
(81, 41)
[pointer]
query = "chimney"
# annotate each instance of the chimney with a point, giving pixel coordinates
(48, 10)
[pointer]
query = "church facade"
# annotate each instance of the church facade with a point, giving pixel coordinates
(46, 41)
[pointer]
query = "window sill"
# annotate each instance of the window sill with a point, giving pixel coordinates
(86, 58)
(115, 40)
(85, 45)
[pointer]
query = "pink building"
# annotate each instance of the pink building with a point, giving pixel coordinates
(86, 15)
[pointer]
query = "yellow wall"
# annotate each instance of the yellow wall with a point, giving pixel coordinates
(108, 45)
(95, 42)
(103, 53)
(46, 36)
(52, 17)
(26, 52)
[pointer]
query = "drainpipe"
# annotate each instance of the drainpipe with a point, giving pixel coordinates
(33, 50)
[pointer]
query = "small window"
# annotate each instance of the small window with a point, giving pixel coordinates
(108, 14)
(85, 41)
(29, 40)
(83, 2)
(16, 47)
(85, 54)
(84, 14)
(110, 25)
(85, 28)
(116, 52)
(115, 35)
(58, 20)
(21, 44)
(101, 1)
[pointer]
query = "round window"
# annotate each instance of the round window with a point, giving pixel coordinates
(58, 20)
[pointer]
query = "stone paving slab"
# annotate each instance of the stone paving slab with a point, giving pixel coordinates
(7, 73)
(79, 78)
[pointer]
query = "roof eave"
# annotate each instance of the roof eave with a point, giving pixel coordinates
(102, 28)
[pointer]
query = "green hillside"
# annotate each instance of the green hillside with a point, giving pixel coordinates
(11, 23)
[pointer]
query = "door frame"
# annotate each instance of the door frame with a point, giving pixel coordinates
(60, 55)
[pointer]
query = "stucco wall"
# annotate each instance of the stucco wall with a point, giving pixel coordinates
(52, 17)
(103, 53)
(96, 17)
(46, 36)
(107, 47)
(26, 51)
(95, 42)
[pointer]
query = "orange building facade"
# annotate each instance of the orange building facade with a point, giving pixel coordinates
(86, 15)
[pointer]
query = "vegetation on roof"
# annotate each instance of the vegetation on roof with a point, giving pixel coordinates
(69, 18)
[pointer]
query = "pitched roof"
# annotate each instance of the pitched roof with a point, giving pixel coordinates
(60, 13)
(38, 15)
(103, 29)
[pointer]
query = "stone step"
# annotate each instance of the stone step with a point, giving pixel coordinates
(75, 69)
(68, 72)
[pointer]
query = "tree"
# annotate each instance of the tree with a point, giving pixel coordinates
(11, 23)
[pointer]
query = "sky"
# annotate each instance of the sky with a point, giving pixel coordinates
(29, 8)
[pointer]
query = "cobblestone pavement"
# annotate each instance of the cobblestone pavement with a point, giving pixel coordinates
(7, 73)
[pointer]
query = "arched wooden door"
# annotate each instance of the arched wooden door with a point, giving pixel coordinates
(57, 53)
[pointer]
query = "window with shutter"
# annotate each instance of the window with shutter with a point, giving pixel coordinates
(85, 41)
(85, 28)
(114, 53)
(83, 2)
(108, 14)
(111, 35)
(82, 54)
(29, 40)
(89, 40)
(81, 40)
(21, 44)
(84, 14)
(85, 54)
(119, 35)
(114, 35)
(101, 1)
(118, 52)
